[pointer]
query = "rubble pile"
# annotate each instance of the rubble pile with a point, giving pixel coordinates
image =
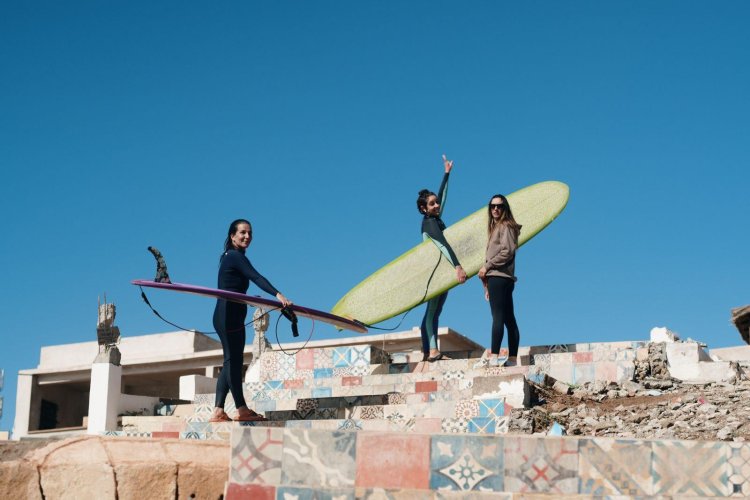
(650, 409)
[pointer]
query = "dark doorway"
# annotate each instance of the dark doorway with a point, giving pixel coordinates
(48, 415)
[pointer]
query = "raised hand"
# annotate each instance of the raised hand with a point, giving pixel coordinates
(448, 164)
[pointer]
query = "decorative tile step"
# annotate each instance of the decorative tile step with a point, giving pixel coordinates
(422, 465)
(277, 365)
(467, 408)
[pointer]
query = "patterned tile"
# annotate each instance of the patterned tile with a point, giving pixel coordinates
(371, 412)
(258, 396)
(304, 405)
(256, 455)
(481, 425)
(583, 372)
(322, 358)
(319, 459)
(287, 366)
(739, 469)
(359, 356)
(542, 361)
(625, 370)
(359, 370)
(198, 427)
(467, 408)
(469, 463)
(250, 492)
(393, 460)
(491, 407)
(614, 467)
(323, 373)
(542, 465)
(192, 435)
(350, 424)
(341, 356)
(269, 366)
(396, 398)
(455, 425)
(694, 468)
(453, 375)
(305, 359)
(583, 357)
(207, 399)
(557, 348)
(321, 392)
(501, 425)
(295, 493)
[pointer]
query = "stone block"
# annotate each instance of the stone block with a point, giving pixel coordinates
(663, 334)
(679, 353)
(561, 371)
(192, 385)
(158, 480)
(19, 479)
(702, 373)
(514, 389)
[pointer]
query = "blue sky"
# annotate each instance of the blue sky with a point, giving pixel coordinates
(124, 126)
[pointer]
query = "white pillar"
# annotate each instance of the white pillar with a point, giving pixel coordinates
(104, 397)
(23, 405)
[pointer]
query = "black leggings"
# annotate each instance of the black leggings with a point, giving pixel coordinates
(501, 305)
(229, 322)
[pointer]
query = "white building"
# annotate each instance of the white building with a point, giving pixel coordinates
(54, 396)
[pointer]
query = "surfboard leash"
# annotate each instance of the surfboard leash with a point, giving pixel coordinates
(426, 290)
(148, 303)
(294, 326)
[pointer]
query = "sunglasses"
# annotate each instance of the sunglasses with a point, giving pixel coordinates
(498, 206)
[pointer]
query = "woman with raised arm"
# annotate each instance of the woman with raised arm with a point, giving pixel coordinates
(499, 278)
(235, 275)
(431, 206)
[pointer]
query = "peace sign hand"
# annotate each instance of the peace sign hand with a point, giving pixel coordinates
(448, 164)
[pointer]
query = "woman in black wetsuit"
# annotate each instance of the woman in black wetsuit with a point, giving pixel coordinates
(431, 206)
(235, 275)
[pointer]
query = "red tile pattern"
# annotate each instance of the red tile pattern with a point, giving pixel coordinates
(393, 461)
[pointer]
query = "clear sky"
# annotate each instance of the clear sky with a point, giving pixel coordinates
(157, 123)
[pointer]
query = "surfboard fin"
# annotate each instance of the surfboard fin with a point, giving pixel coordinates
(161, 266)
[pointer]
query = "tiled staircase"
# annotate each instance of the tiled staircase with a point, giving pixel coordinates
(438, 430)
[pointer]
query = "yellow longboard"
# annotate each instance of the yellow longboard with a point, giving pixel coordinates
(400, 285)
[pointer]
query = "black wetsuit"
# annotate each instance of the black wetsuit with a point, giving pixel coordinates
(432, 228)
(235, 275)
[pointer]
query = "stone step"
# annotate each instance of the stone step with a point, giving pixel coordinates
(279, 461)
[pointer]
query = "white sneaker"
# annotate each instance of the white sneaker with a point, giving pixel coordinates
(482, 363)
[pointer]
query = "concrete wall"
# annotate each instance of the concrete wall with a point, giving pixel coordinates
(132, 348)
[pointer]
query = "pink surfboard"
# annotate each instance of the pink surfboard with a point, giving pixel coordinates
(314, 314)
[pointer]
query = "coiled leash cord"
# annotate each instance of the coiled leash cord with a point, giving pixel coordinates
(284, 311)
(426, 289)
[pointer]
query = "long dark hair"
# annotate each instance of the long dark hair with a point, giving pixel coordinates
(232, 230)
(506, 216)
(422, 200)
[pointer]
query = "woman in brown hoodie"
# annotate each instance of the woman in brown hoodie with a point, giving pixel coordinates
(498, 276)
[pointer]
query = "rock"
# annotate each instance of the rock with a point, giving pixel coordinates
(561, 387)
(725, 434)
